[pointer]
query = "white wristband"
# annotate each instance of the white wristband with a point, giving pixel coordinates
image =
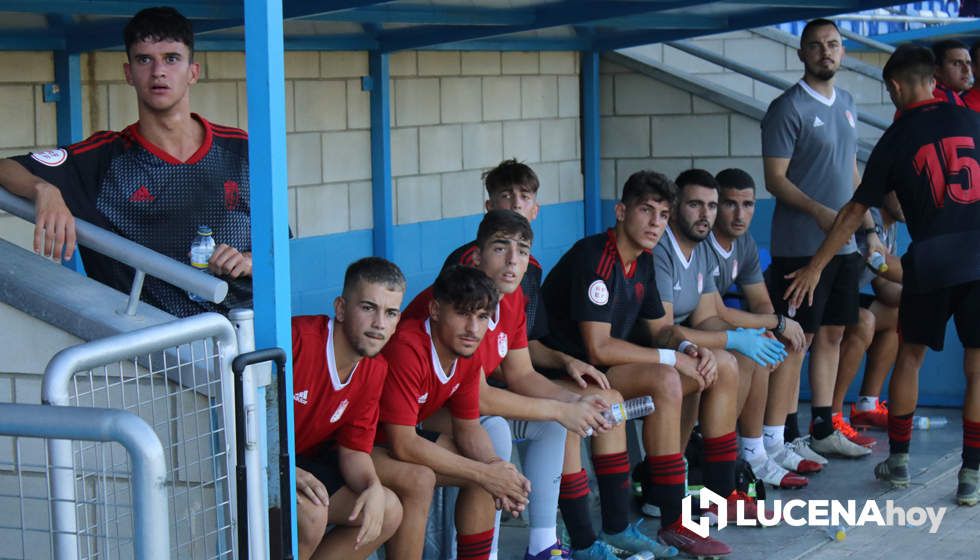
(667, 357)
(684, 345)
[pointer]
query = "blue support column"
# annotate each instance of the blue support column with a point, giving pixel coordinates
(589, 76)
(264, 65)
(68, 110)
(382, 188)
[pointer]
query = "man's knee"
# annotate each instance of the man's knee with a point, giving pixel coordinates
(413, 483)
(830, 335)
(393, 514)
(311, 524)
(610, 395)
(728, 370)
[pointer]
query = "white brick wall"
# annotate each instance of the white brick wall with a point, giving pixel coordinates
(454, 115)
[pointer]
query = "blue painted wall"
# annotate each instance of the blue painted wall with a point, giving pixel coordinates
(318, 265)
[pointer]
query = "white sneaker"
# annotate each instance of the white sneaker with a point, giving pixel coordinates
(801, 448)
(771, 473)
(838, 444)
(790, 460)
(650, 510)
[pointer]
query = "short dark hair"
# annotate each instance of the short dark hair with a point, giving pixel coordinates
(940, 48)
(974, 47)
(648, 184)
(506, 222)
(162, 23)
(698, 177)
(467, 289)
(508, 173)
(909, 63)
(373, 270)
(814, 24)
(734, 178)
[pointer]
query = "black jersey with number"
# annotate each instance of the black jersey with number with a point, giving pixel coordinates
(121, 182)
(590, 283)
(929, 157)
(537, 318)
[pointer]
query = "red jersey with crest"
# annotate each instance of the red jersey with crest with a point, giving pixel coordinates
(324, 408)
(417, 386)
(122, 182)
(507, 330)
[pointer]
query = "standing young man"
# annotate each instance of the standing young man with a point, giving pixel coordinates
(598, 292)
(736, 262)
(925, 157)
(153, 183)
(809, 148)
(431, 366)
(337, 379)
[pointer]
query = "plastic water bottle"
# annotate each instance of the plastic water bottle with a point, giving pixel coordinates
(927, 423)
(836, 532)
(645, 555)
(633, 408)
(877, 262)
(201, 250)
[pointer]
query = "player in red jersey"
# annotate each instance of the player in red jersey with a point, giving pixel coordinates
(432, 365)
(953, 71)
(337, 381)
(155, 182)
(928, 157)
(971, 97)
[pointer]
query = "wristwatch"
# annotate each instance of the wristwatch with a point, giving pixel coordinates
(780, 325)
(870, 230)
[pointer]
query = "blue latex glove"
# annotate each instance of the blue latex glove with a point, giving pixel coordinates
(761, 349)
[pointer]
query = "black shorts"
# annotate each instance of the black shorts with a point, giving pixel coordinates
(324, 464)
(836, 299)
(430, 435)
(866, 300)
(922, 318)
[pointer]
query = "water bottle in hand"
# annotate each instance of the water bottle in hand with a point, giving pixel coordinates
(633, 408)
(877, 262)
(201, 250)
(929, 423)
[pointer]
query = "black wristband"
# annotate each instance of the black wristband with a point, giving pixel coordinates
(870, 230)
(780, 325)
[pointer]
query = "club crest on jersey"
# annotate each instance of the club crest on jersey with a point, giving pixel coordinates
(51, 158)
(850, 119)
(231, 195)
(455, 388)
(502, 344)
(301, 396)
(340, 411)
(598, 293)
(423, 398)
(700, 282)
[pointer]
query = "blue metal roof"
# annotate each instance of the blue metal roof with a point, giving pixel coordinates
(85, 25)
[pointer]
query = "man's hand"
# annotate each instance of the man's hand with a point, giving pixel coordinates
(825, 217)
(753, 344)
(793, 335)
(580, 372)
(875, 245)
(311, 487)
(584, 416)
(228, 261)
(371, 503)
(503, 481)
(54, 226)
(688, 366)
(804, 283)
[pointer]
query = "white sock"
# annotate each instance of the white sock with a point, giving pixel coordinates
(753, 450)
(541, 538)
(865, 404)
(772, 436)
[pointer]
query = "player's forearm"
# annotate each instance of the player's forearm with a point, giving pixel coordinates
(846, 222)
(753, 320)
(706, 338)
(785, 191)
(416, 449)
(495, 401)
(21, 182)
(615, 351)
(533, 384)
(474, 444)
(357, 469)
(546, 358)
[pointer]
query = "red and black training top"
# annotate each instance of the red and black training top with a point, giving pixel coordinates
(123, 183)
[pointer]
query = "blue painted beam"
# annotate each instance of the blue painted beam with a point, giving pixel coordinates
(209, 9)
(264, 65)
(382, 186)
(68, 111)
(665, 21)
(31, 41)
(929, 34)
(591, 141)
(108, 34)
(431, 15)
(301, 9)
(568, 12)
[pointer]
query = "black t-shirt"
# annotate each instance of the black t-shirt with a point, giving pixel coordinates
(929, 157)
(121, 182)
(537, 318)
(589, 283)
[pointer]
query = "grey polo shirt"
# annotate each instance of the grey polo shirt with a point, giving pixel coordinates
(680, 280)
(819, 137)
(739, 266)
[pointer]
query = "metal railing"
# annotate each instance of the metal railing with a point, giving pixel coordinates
(143, 260)
(141, 501)
(178, 377)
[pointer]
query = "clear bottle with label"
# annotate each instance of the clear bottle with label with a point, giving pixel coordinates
(877, 263)
(628, 410)
(836, 532)
(201, 250)
(929, 422)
